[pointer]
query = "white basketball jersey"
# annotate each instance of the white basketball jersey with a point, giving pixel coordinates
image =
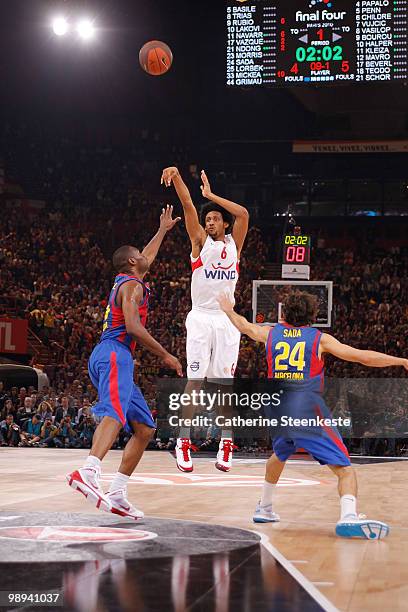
(215, 271)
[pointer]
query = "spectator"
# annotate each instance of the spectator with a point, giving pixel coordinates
(25, 412)
(86, 431)
(48, 434)
(10, 431)
(64, 410)
(45, 411)
(22, 395)
(30, 436)
(9, 408)
(3, 396)
(66, 433)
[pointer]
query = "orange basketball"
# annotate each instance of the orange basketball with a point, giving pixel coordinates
(155, 57)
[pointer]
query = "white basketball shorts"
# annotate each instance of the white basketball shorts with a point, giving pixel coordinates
(212, 345)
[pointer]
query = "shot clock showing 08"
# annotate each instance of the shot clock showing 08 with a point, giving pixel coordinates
(300, 42)
(296, 250)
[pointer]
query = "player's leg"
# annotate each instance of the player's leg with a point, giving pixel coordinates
(328, 448)
(198, 349)
(222, 366)
(283, 449)
(104, 436)
(140, 423)
(111, 371)
(350, 524)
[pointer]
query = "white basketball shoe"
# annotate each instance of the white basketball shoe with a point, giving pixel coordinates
(86, 481)
(224, 455)
(121, 505)
(183, 454)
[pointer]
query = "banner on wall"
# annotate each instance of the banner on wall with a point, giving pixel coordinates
(13, 336)
(348, 146)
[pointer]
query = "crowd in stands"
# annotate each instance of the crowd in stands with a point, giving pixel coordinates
(55, 268)
(29, 418)
(370, 309)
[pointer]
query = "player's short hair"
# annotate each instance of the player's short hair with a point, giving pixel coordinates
(121, 258)
(227, 217)
(300, 308)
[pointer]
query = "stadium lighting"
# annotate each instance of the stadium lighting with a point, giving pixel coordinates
(60, 26)
(85, 29)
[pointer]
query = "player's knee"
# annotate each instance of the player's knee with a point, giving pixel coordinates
(342, 471)
(143, 432)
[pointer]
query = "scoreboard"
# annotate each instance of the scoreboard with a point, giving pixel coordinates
(299, 42)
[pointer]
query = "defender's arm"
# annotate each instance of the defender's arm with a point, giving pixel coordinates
(373, 359)
(256, 332)
(166, 224)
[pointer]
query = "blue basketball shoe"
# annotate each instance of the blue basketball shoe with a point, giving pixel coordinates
(353, 526)
(264, 514)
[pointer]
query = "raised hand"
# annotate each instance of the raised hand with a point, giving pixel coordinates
(166, 219)
(168, 175)
(205, 187)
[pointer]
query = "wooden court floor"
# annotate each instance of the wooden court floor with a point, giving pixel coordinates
(356, 576)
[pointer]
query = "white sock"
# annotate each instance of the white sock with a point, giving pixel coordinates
(348, 505)
(267, 493)
(92, 462)
(184, 432)
(226, 434)
(119, 482)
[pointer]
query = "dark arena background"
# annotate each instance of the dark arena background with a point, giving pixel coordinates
(297, 111)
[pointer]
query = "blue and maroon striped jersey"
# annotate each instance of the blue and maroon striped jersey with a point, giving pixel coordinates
(293, 354)
(114, 327)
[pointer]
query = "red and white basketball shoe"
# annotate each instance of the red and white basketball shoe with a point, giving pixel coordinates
(121, 505)
(224, 455)
(183, 454)
(86, 481)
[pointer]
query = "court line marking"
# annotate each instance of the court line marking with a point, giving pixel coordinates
(308, 586)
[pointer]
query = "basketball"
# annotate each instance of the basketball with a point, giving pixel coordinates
(155, 57)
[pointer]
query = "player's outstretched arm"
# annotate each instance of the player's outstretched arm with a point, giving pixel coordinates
(195, 231)
(240, 229)
(129, 298)
(166, 224)
(256, 332)
(329, 344)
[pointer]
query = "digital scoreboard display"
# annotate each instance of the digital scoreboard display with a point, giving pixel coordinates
(296, 249)
(297, 42)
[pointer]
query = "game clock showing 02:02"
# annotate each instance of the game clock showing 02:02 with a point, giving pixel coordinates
(296, 250)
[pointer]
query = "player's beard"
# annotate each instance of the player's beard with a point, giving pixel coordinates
(213, 234)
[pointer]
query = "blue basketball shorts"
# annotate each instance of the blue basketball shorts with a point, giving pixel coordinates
(323, 442)
(110, 368)
(327, 450)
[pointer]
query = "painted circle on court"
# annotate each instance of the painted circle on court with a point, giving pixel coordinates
(208, 480)
(75, 533)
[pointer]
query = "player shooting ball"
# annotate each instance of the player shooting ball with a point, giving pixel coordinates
(212, 341)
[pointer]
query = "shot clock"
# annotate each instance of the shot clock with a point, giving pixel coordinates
(298, 42)
(296, 256)
(296, 250)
